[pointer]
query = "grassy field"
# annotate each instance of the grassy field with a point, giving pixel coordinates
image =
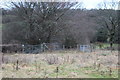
(62, 64)
(105, 45)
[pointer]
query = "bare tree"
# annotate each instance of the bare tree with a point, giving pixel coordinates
(42, 19)
(108, 19)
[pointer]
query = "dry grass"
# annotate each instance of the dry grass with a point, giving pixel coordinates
(70, 64)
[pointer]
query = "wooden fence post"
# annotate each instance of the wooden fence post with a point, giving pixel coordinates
(45, 73)
(77, 47)
(99, 65)
(36, 65)
(57, 71)
(63, 47)
(110, 72)
(17, 65)
(2, 58)
(39, 67)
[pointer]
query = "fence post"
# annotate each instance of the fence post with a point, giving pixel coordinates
(63, 47)
(17, 65)
(99, 65)
(23, 48)
(84, 48)
(2, 58)
(39, 67)
(77, 47)
(57, 71)
(41, 47)
(110, 72)
(45, 73)
(36, 65)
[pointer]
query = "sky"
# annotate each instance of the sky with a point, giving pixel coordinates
(93, 3)
(88, 4)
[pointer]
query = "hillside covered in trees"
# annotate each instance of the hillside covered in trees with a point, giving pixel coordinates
(35, 23)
